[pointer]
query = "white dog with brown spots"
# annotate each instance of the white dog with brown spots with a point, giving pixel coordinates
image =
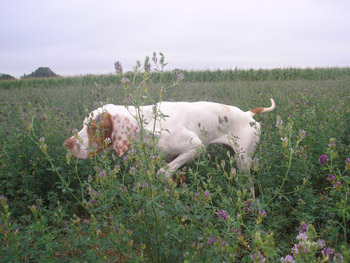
(186, 128)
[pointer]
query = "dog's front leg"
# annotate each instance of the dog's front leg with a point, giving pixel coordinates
(179, 161)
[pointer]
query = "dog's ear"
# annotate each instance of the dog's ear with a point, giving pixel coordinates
(98, 130)
(123, 133)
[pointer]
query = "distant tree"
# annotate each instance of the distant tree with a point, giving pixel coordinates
(42, 72)
(177, 70)
(6, 76)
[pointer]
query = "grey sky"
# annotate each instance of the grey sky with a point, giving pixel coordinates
(85, 36)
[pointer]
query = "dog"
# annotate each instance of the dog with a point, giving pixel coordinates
(184, 128)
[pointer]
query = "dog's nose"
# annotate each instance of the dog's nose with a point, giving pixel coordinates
(70, 143)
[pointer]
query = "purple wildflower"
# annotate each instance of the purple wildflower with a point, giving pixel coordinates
(93, 202)
(102, 173)
(279, 124)
(331, 178)
(262, 213)
(303, 228)
(222, 214)
(147, 67)
(302, 134)
(336, 184)
(125, 159)
(299, 249)
(287, 259)
(327, 252)
(212, 240)
(123, 189)
(223, 163)
(332, 145)
(321, 243)
(323, 159)
(92, 192)
(338, 258)
(295, 250)
(118, 68)
(132, 170)
(233, 172)
(302, 236)
(180, 77)
(284, 142)
(248, 205)
(127, 101)
(125, 80)
(234, 229)
(96, 104)
(25, 117)
(258, 257)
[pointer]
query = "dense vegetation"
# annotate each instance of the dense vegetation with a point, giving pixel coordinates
(41, 72)
(54, 207)
(6, 77)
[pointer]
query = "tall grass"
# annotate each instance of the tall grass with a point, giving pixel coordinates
(190, 76)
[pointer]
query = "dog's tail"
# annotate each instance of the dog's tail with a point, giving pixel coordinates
(261, 109)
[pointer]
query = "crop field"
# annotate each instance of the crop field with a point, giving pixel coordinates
(56, 208)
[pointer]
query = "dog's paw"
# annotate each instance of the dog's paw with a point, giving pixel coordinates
(170, 178)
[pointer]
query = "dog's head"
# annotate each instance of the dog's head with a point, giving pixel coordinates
(101, 131)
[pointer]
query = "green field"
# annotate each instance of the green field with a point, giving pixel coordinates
(55, 208)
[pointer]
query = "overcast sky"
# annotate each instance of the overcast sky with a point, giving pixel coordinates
(86, 37)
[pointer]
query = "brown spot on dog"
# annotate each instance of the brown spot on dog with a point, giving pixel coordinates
(123, 150)
(257, 110)
(117, 151)
(70, 143)
(126, 143)
(120, 138)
